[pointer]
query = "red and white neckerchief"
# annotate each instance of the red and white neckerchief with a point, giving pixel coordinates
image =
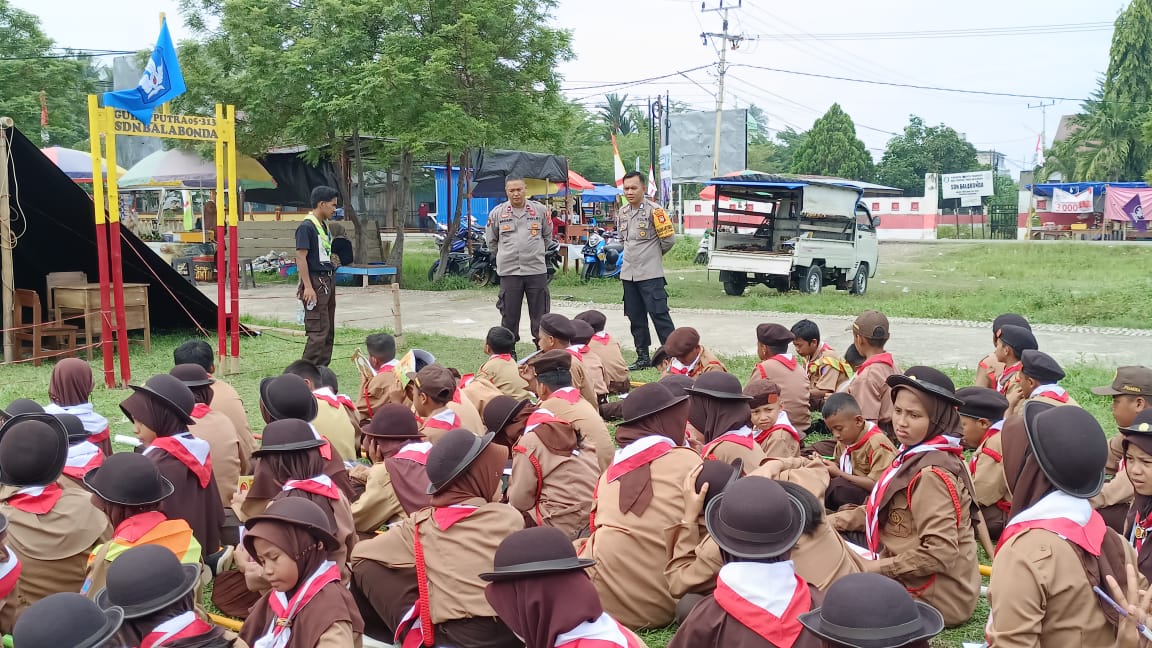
(766, 598)
(445, 419)
(993, 430)
(139, 525)
(95, 425)
(326, 449)
(577, 351)
(846, 458)
(569, 395)
(786, 359)
(1069, 517)
(318, 485)
(541, 416)
(872, 509)
(639, 453)
(1006, 377)
(332, 398)
(200, 410)
(506, 357)
(188, 450)
(387, 367)
(879, 358)
(417, 452)
(410, 632)
(680, 369)
(743, 437)
(10, 570)
(82, 458)
(37, 500)
(782, 423)
(603, 338)
(602, 632)
(182, 627)
(1054, 392)
(285, 609)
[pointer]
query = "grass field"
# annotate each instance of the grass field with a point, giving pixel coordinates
(267, 354)
(1053, 283)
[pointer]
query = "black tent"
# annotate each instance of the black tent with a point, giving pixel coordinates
(53, 219)
(494, 165)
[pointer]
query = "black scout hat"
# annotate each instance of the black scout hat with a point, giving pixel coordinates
(287, 435)
(873, 325)
(147, 579)
(129, 479)
(595, 318)
(982, 403)
(755, 518)
(557, 326)
(500, 411)
(171, 394)
(33, 450)
(718, 475)
(1129, 381)
(646, 400)
(452, 455)
(1041, 367)
(20, 406)
(87, 626)
(872, 611)
(1017, 337)
(192, 375)
(534, 552)
(582, 332)
(718, 384)
(678, 384)
(1069, 445)
(774, 335)
(300, 512)
(393, 421)
(74, 427)
(1010, 318)
(927, 380)
(681, 341)
(287, 397)
(1141, 425)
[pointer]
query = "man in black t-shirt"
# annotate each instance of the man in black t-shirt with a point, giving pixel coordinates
(315, 263)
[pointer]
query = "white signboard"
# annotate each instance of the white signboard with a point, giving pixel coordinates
(1066, 202)
(958, 185)
(971, 201)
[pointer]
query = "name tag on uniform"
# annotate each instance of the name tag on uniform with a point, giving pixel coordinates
(505, 227)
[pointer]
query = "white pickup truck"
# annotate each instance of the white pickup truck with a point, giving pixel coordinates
(795, 234)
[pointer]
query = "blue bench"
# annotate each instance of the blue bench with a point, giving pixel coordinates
(366, 271)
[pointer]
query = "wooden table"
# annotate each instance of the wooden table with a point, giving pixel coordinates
(84, 299)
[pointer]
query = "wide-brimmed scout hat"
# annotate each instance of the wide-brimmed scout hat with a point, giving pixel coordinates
(287, 397)
(128, 479)
(872, 611)
(20, 406)
(500, 411)
(33, 450)
(66, 619)
(146, 579)
(170, 393)
(535, 552)
(452, 455)
(1069, 445)
(927, 380)
(300, 512)
(288, 435)
(755, 518)
(646, 400)
(192, 375)
(718, 384)
(393, 421)
(74, 426)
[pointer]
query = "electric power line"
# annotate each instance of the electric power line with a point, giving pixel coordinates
(974, 32)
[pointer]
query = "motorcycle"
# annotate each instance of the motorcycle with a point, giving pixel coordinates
(602, 259)
(459, 259)
(483, 270)
(703, 250)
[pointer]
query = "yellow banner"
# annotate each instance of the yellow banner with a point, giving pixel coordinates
(189, 127)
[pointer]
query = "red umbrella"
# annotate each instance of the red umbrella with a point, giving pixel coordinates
(576, 182)
(709, 192)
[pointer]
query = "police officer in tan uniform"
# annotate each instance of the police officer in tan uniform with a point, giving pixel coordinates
(647, 234)
(518, 233)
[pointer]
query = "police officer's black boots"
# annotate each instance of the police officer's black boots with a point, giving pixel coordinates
(643, 360)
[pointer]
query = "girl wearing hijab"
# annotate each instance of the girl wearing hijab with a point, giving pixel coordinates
(307, 606)
(1055, 547)
(918, 519)
(1137, 445)
(70, 390)
(553, 476)
(720, 411)
(396, 486)
(158, 595)
(421, 580)
(637, 498)
(539, 588)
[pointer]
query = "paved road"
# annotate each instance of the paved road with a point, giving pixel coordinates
(470, 314)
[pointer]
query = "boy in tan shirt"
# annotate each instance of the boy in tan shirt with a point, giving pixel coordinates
(826, 371)
(602, 344)
(500, 369)
(385, 386)
(870, 333)
(982, 418)
(862, 453)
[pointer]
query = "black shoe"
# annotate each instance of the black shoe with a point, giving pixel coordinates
(643, 361)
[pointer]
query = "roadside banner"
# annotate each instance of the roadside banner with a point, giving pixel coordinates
(958, 185)
(1127, 205)
(1067, 202)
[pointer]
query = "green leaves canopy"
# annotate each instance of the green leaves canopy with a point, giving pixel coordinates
(832, 148)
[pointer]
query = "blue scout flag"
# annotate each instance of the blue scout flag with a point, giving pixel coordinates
(162, 82)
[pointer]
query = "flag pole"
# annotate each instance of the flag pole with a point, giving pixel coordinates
(235, 202)
(221, 248)
(114, 257)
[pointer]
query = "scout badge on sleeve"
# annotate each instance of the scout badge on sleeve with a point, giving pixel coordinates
(662, 222)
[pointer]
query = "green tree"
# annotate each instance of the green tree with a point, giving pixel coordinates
(26, 71)
(617, 115)
(831, 148)
(920, 150)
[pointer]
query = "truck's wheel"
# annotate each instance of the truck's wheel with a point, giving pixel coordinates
(734, 283)
(860, 282)
(812, 280)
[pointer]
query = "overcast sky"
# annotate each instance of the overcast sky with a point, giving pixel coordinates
(620, 41)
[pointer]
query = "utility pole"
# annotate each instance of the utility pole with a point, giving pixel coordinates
(725, 39)
(1043, 106)
(6, 275)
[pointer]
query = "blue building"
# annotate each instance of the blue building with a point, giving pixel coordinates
(442, 210)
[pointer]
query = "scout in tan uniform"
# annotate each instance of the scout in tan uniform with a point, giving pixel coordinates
(861, 456)
(1054, 548)
(719, 411)
(982, 418)
(691, 578)
(51, 529)
(637, 498)
(1131, 392)
(826, 371)
(224, 396)
(608, 350)
(500, 369)
(869, 610)
(385, 385)
(870, 332)
(774, 432)
(582, 334)
(518, 233)
(431, 391)
(687, 357)
(1011, 343)
(334, 418)
(786, 370)
(991, 367)
(549, 377)
(1137, 444)
(556, 335)
(1038, 378)
(647, 234)
(228, 460)
(439, 553)
(396, 486)
(553, 475)
(918, 519)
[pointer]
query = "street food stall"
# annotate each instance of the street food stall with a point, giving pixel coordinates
(1092, 211)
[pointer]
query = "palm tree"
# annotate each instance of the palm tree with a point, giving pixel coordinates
(616, 115)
